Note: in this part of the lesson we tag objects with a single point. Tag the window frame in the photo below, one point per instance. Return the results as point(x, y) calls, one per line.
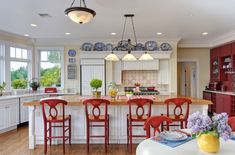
point(2, 61)
point(38, 61)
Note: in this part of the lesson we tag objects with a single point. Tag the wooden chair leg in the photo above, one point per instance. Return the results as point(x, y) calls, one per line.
point(45, 138)
point(70, 131)
point(87, 136)
point(50, 128)
point(127, 129)
point(105, 136)
point(63, 138)
point(108, 131)
point(130, 129)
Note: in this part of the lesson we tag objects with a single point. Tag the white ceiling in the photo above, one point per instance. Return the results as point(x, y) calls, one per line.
point(176, 19)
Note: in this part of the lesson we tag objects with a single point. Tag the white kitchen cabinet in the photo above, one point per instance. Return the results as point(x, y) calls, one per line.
point(9, 113)
point(163, 73)
point(117, 72)
point(141, 65)
point(91, 69)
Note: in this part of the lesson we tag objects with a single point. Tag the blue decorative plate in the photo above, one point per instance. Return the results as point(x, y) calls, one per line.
point(87, 47)
point(151, 45)
point(109, 47)
point(165, 47)
point(139, 47)
point(99, 46)
point(72, 53)
point(173, 136)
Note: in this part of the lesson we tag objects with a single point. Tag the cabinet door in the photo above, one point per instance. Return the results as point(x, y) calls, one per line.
point(12, 114)
point(117, 72)
point(163, 73)
point(225, 50)
point(132, 65)
point(223, 103)
point(150, 65)
point(2, 117)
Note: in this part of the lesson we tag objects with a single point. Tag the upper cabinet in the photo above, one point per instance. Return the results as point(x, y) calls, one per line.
point(163, 73)
point(140, 65)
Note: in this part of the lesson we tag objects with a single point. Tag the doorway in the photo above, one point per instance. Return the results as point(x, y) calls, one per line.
point(187, 78)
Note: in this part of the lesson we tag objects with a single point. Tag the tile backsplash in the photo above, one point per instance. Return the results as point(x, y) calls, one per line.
point(145, 78)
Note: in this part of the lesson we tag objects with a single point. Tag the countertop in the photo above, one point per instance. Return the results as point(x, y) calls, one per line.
point(31, 94)
point(77, 100)
point(221, 92)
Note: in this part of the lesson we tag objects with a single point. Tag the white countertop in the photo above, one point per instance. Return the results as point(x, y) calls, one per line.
point(32, 94)
point(221, 92)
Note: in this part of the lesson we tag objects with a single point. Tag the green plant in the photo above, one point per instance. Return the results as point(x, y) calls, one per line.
point(34, 84)
point(19, 84)
point(129, 92)
point(2, 86)
point(96, 84)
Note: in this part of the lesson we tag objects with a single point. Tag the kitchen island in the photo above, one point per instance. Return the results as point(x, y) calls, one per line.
point(118, 110)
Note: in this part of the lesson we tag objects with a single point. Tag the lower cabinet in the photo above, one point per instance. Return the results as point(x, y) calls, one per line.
point(221, 103)
point(9, 113)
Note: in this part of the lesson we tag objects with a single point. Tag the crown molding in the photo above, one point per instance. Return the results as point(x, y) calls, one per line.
point(224, 39)
point(193, 45)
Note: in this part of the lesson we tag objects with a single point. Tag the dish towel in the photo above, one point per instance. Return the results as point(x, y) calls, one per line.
point(170, 143)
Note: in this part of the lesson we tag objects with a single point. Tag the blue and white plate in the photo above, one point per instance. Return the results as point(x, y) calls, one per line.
point(99, 46)
point(151, 45)
point(72, 53)
point(173, 136)
point(139, 47)
point(165, 47)
point(109, 47)
point(87, 47)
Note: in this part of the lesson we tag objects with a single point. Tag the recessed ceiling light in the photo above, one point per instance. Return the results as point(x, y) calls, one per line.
point(113, 33)
point(67, 33)
point(159, 33)
point(26, 35)
point(204, 33)
point(191, 15)
point(33, 25)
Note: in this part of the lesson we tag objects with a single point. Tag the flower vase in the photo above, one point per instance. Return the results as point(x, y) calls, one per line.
point(208, 143)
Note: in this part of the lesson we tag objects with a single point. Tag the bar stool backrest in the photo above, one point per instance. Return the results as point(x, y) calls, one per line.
point(54, 105)
point(95, 105)
point(155, 122)
point(140, 104)
point(231, 122)
point(178, 110)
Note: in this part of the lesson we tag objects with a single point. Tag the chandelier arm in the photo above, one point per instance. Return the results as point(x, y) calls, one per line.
point(72, 3)
point(134, 30)
point(124, 28)
point(84, 3)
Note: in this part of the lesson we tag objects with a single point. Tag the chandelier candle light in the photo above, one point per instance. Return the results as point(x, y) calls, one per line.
point(80, 14)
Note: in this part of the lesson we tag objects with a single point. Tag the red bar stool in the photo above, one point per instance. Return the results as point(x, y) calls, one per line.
point(231, 122)
point(51, 118)
point(96, 119)
point(178, 115)
point(138, 116)
point(155, 122)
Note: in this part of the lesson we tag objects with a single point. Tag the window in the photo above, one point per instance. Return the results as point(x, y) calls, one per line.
point(20, 63)
point(51, 68)
point(2, 62)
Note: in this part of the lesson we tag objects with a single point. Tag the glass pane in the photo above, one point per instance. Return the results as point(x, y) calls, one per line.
point(24, 54)
point(50, 74)
point(54, 56)
point(18, 53)
point(12, 52)
point(19, 70)
point(43, 55)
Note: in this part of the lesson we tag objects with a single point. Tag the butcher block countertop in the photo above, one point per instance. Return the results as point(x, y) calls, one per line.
point(76, 100)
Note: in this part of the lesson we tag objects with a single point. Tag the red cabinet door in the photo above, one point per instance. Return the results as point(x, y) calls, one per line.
point(233, 48)
point(223, 103)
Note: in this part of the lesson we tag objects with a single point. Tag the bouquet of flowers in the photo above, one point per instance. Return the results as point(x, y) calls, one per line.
point(216, 126)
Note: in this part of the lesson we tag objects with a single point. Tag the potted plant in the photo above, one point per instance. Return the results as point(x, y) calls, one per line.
point(96, 84)
point(2, 88)
point(19, 85)
point(34, 84)
point(208, 130)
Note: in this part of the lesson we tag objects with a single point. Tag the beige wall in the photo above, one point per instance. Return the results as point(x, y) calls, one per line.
point(202, 55)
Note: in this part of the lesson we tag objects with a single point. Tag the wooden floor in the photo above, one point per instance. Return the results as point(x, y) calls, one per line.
point(16, 143)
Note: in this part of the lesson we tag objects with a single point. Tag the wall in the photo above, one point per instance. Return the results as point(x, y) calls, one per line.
point(202, 55)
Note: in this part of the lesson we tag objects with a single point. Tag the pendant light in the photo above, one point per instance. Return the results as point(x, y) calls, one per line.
point(80, 14)
point(146, 56)
point(111, 57)
point(129, 57)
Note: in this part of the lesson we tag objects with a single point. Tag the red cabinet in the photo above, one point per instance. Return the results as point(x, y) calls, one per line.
point(226, 50)
point(223, 103)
